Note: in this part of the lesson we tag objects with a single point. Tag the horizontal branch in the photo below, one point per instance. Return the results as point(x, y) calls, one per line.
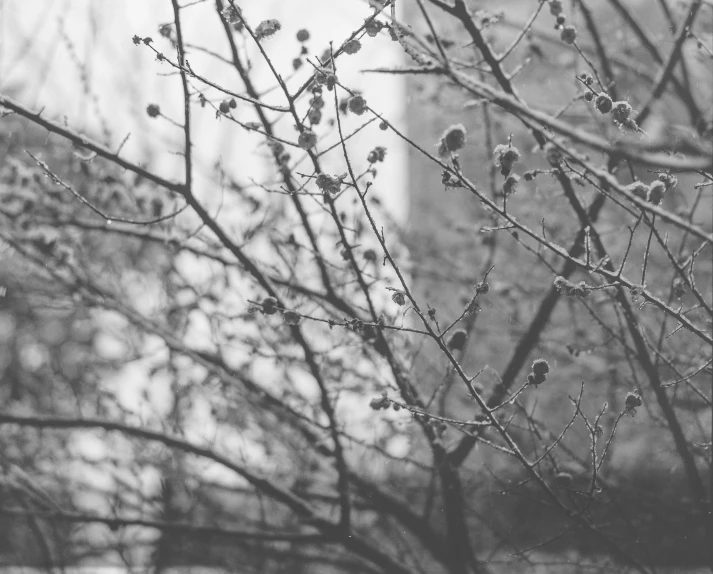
point(626, 149)
point(115, 522)
point(82, 141)
point(299, 506)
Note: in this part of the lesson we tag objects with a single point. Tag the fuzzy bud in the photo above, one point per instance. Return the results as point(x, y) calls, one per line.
point(307, 139)
point(505, 157)
point(482, 288)
point(511, 184)
point(267, 28)
point(540, 367)
point(638, 189)
point(352, 47)
point(291, 318)
point(632, 401)
point(656, 192)
point(328, 183)
point(603, 103)
point(376, 155)
point(568, 34)
point(269, 305)
point(452, 139)
point(457, 340)
point(357, 105)
point(621, 112)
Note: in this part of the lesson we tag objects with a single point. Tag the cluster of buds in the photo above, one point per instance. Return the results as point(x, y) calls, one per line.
point(380, 403)
point(383, 403)
point(325, 76)
point(227, 105)
point(654, 192)
point(570, 289)
point(372, 26)
point(587, 80)
point(377, 154)
point(329, 183)
point(270, 306)
point(568, 34)
point(302, 37)
point(620, 111)
point(316, 104)
point(538, 375)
